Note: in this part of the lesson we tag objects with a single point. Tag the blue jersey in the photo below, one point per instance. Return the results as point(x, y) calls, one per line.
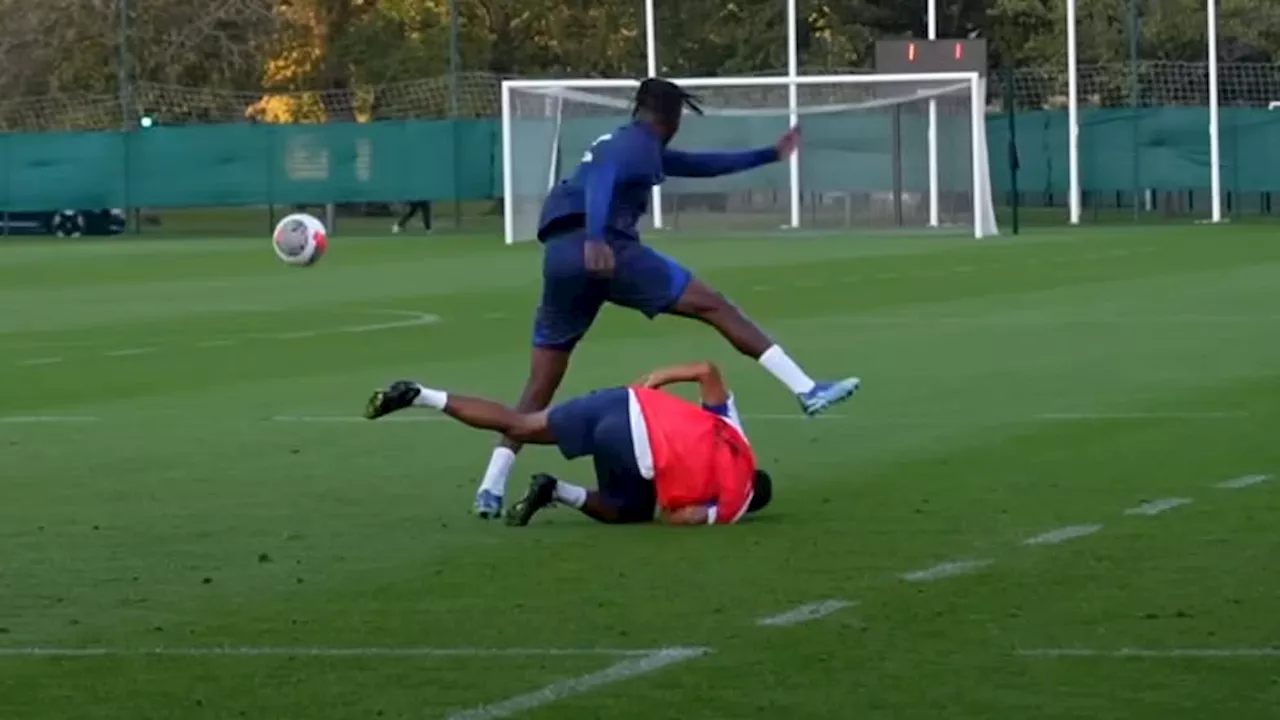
point(609, 192)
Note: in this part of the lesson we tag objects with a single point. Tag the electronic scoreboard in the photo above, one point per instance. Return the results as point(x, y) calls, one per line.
point(931, 56)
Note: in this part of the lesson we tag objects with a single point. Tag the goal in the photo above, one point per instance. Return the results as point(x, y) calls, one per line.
point(864, 162)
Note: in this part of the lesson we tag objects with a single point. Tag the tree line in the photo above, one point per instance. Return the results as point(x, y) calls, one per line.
point(94, 48)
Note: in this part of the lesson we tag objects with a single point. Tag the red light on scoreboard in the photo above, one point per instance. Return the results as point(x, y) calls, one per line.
point(911, 52)
point(959, 54)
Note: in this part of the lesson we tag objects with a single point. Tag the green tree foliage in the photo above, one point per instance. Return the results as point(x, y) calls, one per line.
point(338, 49)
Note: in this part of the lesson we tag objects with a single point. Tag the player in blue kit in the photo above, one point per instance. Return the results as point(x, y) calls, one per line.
point(592, 254)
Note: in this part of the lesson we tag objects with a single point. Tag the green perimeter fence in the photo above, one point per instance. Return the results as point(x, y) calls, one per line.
point(1160, 150)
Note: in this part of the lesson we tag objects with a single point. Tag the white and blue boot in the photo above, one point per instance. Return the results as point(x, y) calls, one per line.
point(826, 394)
point(488, 505)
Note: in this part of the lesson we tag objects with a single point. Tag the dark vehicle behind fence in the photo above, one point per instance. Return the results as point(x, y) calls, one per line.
point(64, 223)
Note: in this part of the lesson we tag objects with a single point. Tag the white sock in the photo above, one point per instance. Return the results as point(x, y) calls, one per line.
point(570, 494)
point(428, 398)
point(495, 476)
point(786, 370)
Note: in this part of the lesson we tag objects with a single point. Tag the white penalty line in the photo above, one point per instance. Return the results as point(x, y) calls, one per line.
point(1100, 416)
point(945, 570)
point(1243, 482)
point(1061, 535)
point(1152, 653)
point(46, 419)
point(1155, 507)
point(805, 613)
point(625, 670)
point(362, 652)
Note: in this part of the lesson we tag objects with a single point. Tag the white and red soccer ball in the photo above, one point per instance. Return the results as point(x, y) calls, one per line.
point(300, 239)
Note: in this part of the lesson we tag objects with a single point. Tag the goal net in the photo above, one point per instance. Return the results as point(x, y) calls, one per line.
point(864, 163)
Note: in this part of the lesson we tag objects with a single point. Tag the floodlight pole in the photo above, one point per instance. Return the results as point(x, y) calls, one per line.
point(932, 29)
point(793, 106)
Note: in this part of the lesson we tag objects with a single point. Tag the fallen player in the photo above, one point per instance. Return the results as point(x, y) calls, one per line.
point(592, 255)
point(652, 450)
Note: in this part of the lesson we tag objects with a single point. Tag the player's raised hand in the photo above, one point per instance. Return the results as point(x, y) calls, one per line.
point(788, 143)
point(598, 257)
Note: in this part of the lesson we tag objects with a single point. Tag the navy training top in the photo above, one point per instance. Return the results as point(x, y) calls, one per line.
point(609, 191)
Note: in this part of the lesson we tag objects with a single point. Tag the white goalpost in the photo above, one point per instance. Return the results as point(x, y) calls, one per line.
point(878, 151)
point(1073, 115)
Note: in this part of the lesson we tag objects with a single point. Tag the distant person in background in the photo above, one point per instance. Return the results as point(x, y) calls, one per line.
point(423, 206)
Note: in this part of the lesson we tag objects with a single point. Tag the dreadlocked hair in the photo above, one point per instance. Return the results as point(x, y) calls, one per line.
point(664, 99)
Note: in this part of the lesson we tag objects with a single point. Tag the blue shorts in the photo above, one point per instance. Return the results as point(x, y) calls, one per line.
point(599, 425)
point(643, 279)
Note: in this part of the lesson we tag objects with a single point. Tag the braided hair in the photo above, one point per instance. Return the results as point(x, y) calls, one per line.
point(665, 100)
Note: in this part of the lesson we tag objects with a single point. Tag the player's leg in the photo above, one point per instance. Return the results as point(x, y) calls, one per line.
point(599, 425)
point(476, 412)
point(569, 304)
point(654, 284)
point(404, 219)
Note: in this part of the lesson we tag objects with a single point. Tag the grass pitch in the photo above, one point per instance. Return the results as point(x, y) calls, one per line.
point(195, 524)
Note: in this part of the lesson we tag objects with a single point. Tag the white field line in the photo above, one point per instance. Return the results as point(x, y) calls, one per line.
point(1243, 482)
point(945, 570)
point(46, 419)
point(398, 418)
point(1142, 416)
point(411, 319)
point(444, 418)
point(1155, 507)
point(1063, 534)
point(365, 652)
point(625, 670)
point(41, 361)
point(793, 416)
point(128, 352)
point(804, 613)
point(1151, 653)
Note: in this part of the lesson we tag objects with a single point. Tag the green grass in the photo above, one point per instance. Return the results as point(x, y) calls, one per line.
point(168, 509)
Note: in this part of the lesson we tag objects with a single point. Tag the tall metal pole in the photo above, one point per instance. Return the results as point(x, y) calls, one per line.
point(1134, 101)
point(128, 116)
point(1215, 136)
point(124, 71)
point(454, 62)
point(651, 67)
point(793, 105)
point(1073, 116)
point(934, 215)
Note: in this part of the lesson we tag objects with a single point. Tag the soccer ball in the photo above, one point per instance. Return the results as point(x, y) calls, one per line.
point(300, 239)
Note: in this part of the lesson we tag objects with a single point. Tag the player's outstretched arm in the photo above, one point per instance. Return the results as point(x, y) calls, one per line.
point(711, 388)
point(713, 164)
